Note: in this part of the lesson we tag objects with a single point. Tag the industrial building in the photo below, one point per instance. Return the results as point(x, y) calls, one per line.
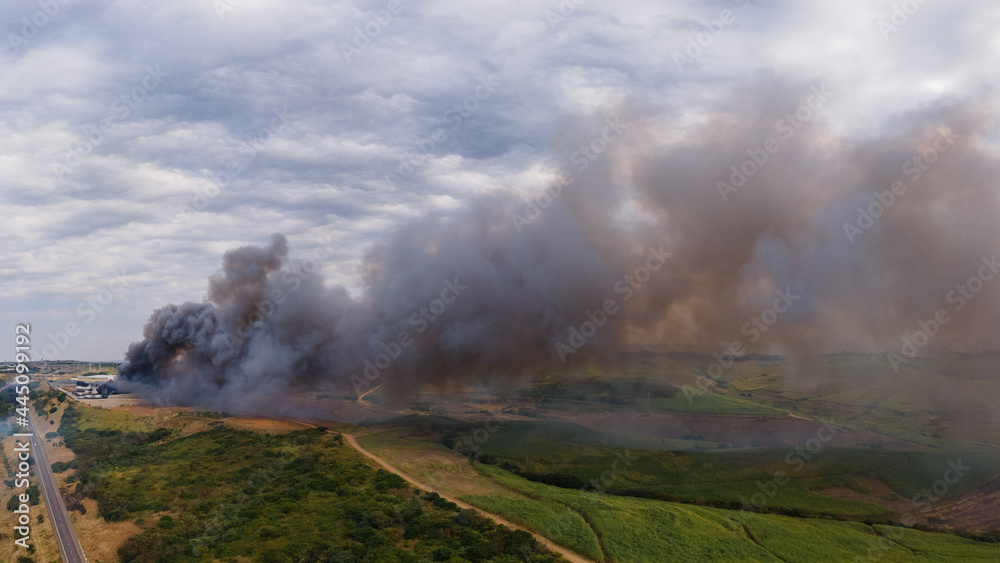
point(93, 386)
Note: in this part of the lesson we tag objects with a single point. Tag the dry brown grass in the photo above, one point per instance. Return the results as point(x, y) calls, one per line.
point(879, 493)
point(151, 411)
point(100, 538)
point(42, 536)
point(268, 425)
point(977, 510)
point(438, 467)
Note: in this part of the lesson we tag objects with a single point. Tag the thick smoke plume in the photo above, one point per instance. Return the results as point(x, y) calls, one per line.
point(504, 287)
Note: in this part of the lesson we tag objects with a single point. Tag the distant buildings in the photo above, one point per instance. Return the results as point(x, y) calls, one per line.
point(94, 386)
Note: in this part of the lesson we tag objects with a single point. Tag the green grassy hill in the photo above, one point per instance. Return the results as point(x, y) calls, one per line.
point(639, 530)
point(592, 520)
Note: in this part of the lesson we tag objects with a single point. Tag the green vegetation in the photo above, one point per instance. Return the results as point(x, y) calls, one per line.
point(33, 493)
point(596, 389)
point(574, 457)
point(939, 547)
point(300, 496)
point(60, 466)
point(551, 519)
point(214, 415)
point(111, 420)
point(640, 530)
point(653, 395)
point(709, 402)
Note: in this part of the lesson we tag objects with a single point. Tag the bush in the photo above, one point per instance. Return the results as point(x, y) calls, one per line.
point(60, 466)
point(465, 517)
point(34, 495)
point(385, 481)
point(166, 522)
point(442, 554)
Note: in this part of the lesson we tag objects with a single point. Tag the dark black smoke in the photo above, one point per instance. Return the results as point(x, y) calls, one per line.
point(527, 284)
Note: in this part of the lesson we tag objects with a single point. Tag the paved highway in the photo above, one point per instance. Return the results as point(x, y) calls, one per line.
point(62, 524)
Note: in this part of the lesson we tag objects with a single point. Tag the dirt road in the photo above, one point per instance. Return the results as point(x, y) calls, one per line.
point(570, 555)
point(361, 398)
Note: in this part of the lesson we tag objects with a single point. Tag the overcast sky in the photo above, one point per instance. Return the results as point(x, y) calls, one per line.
point(141, 140)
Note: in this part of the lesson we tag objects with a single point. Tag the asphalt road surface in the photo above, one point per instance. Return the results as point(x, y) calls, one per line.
point(62, 524)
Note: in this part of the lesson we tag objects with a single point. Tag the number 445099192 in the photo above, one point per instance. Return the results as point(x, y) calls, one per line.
point(22, 344)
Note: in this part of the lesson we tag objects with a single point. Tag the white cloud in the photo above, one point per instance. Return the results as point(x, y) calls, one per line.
point(352, 122)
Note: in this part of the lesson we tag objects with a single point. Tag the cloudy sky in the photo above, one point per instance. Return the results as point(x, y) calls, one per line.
point(139, 141)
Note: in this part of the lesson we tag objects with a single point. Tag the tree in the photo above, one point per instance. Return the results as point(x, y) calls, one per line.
point(33, 495)
point(166, 522)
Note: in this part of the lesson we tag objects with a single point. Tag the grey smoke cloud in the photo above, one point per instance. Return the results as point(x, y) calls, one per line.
point(528, 287)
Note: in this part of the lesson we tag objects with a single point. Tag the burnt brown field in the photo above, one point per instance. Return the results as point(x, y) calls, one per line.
point(977, 510)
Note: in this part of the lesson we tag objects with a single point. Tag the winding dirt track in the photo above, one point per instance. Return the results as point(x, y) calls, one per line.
point(551, 546)
point(361, 398)
point(570, 555)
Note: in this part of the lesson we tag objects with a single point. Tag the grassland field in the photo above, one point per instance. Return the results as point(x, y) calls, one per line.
point(637, 529)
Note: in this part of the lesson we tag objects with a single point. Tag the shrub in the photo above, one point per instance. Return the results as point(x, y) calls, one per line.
point(166, 522)
point(60, 466)
point(385, 481)
point(34, 494)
